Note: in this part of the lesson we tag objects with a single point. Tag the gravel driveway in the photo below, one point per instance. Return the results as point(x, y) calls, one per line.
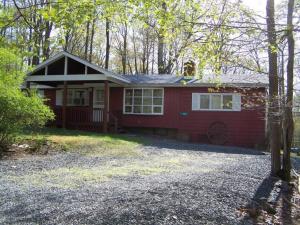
point(169, 183)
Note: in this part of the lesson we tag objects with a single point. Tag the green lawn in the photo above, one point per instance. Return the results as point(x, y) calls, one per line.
point(86, 143)
point(119, 155)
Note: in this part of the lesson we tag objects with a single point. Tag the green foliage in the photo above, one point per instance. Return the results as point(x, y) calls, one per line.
point(18, 109)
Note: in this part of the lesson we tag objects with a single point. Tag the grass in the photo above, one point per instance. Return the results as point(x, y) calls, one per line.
point(74, 176)
point(88, 143)
point(123, 157)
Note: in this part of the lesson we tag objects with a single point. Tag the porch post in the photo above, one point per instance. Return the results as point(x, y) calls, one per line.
point(27, 87)
point(105, 110)
point(27, 84)
point(64, 105)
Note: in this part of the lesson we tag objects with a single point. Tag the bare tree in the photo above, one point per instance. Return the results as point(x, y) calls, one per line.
point(288, 124)
point(107, 49)
point(273, 109)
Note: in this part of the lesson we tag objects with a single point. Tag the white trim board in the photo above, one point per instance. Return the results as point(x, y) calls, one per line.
point(90, 77)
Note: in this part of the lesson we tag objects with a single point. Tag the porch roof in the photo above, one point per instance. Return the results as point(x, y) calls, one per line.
point(91, 72)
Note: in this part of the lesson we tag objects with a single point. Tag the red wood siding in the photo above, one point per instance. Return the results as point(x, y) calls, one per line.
point(246, 128)
point(78, 117)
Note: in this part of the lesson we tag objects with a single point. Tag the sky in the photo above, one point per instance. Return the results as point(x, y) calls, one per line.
point(258, 5)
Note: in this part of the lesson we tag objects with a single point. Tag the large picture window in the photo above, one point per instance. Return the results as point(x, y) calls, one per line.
point(216, 101)
point(143, 101)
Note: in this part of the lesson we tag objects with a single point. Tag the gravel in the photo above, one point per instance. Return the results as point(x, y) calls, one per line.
point(207, 187)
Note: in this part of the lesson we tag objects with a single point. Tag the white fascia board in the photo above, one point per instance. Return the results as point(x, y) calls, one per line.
point(82, 77)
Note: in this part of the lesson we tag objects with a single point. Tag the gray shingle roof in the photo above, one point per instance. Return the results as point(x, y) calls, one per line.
point(227, 79)
point(153, 79)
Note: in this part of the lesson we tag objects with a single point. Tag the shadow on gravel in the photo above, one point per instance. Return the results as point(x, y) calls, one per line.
point(157, 142)
point(271, 195)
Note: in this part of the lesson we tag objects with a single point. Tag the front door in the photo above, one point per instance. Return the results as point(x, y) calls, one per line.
point(98, 104)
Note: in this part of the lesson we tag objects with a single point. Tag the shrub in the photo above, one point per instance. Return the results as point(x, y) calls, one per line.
point(18, 109)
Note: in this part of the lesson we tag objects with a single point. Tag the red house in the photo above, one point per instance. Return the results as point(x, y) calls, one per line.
point(229, 111)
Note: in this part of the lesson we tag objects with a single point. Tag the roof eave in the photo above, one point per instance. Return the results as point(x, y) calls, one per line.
point(240, 85)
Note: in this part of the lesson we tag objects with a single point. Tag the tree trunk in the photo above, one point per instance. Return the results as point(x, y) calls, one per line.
point(273, 110)
point(135, 53)
point(160, 55)
point(288, 124)
point(107, 50)
point(124, 52)
point(92, 40)
point(86, 46)
point(161, 46)
point(46, 47)
point(66, 44)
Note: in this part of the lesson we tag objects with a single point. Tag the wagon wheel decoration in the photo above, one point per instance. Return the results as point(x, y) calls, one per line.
point(217, 133)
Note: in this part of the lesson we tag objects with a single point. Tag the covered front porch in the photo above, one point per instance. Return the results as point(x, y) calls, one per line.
point(82, 107)
point(77, 91)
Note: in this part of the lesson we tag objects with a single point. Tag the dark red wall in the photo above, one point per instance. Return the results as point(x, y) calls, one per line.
point(246, 128)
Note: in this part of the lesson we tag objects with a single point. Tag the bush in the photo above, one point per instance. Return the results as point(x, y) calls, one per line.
point(18, 109)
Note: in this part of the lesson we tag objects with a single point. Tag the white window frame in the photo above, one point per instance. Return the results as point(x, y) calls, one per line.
point(198, 95)
point(132, 113)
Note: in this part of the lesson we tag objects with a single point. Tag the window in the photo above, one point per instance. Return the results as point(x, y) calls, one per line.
point(77, 97)
point(98, 97)
point(204, 101)
point(216, 101)
point(143, 101)
point(227, 102)
point(41, 93)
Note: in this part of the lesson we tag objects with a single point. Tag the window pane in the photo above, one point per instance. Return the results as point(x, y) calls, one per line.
point(157, 101)
point(157, 109)
point(128, 101)
point(147, 109)
point(137, 101)
point(128, 92)
point(216, 101)
point(99, 95)
point(204, 101)
point(147, 92)
point(128, 109)
point(147, 101)
point(157, 92)
point(137, 109)
point(137, 92)
point(227, 102)
point(99, 98)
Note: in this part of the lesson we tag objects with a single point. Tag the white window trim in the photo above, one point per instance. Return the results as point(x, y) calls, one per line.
point(151, 114)
point(210, 102)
